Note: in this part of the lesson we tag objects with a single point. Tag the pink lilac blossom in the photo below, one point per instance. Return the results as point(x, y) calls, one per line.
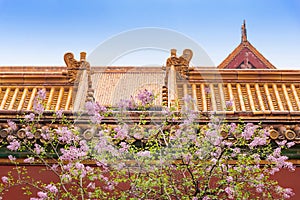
point(290, 144)
point(236, 151)
point(14, 145)
point(41, 94)
point(146, 97)
point(11, 158)
point(89, 169)
point(144, 154)
point(104, 145)
point(96, 118)
point(30, 117)
point(138, 135)
point(79, 166)
point(229, 104)
point(84, 147)
point(229, 191)
point(288, 193)
point(38, 107)
point(256, 157)
point(274, 170)
point(4, 179)
point(127, 104)
point(258, 141)
point(59, 113)
point(93, 108)
point(265, 132)
point(52, 188)
point(42, 195)
point(277, 152)
point(54, 167)
point(214, 137)
point(232, 128)
point(12, 125)
point(282, 143)
point(100, 108)
point(103, 164)
point(249, 131)
point(29, 135)
point(124, 147)
point(45, 136)
point(213, 161)
point(186, 157)
point(217, 152)
point(66, 135)
point(207, 90)
point(67, 167)
point(229, 179)
point(72, 153)
point(120, 166)
point(122, 132)
point(226, 143)
point(91, 185)
point(259, 189)
point(260, 177)
point(279, 161)
point(188, 99)
point(89, 106)
point(10, 138)
point(66, 178)
point(38, 149)
point(110, 186)
point(29, 160)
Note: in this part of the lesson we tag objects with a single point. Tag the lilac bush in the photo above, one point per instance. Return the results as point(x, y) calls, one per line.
point(175, 159)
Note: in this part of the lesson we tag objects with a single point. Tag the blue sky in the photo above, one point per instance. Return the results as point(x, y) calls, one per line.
point(39, 32)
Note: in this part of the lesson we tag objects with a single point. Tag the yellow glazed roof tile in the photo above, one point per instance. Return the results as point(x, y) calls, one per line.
point(21, 98)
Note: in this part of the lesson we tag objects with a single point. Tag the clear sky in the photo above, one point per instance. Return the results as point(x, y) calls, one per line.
point(39, 32)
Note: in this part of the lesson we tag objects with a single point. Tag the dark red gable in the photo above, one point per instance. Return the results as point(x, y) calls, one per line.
point(245, 56)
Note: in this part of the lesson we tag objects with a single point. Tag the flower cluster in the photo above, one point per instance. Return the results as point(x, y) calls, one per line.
point(175, 159)
point(229, 104)
point(38, 106)
point(146, 97)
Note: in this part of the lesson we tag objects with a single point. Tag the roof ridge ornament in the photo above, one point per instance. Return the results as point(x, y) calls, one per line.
point(244, 32)
point(73, 65)
point(181, 63)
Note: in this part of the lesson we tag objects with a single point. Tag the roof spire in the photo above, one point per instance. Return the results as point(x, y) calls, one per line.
point(244, 32)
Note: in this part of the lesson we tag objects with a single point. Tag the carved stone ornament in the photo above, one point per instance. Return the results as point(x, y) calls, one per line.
point(183, 60)
point(181, 63)
point(72, 66)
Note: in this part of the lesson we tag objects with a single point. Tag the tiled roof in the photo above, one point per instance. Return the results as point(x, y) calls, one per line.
point(112, 84)
point(21, 98)
point(16, 75)
point(19, 86)
point(256, 92)
point(257, 98)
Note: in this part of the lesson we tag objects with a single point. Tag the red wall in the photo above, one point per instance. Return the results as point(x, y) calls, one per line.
point(285, 178)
